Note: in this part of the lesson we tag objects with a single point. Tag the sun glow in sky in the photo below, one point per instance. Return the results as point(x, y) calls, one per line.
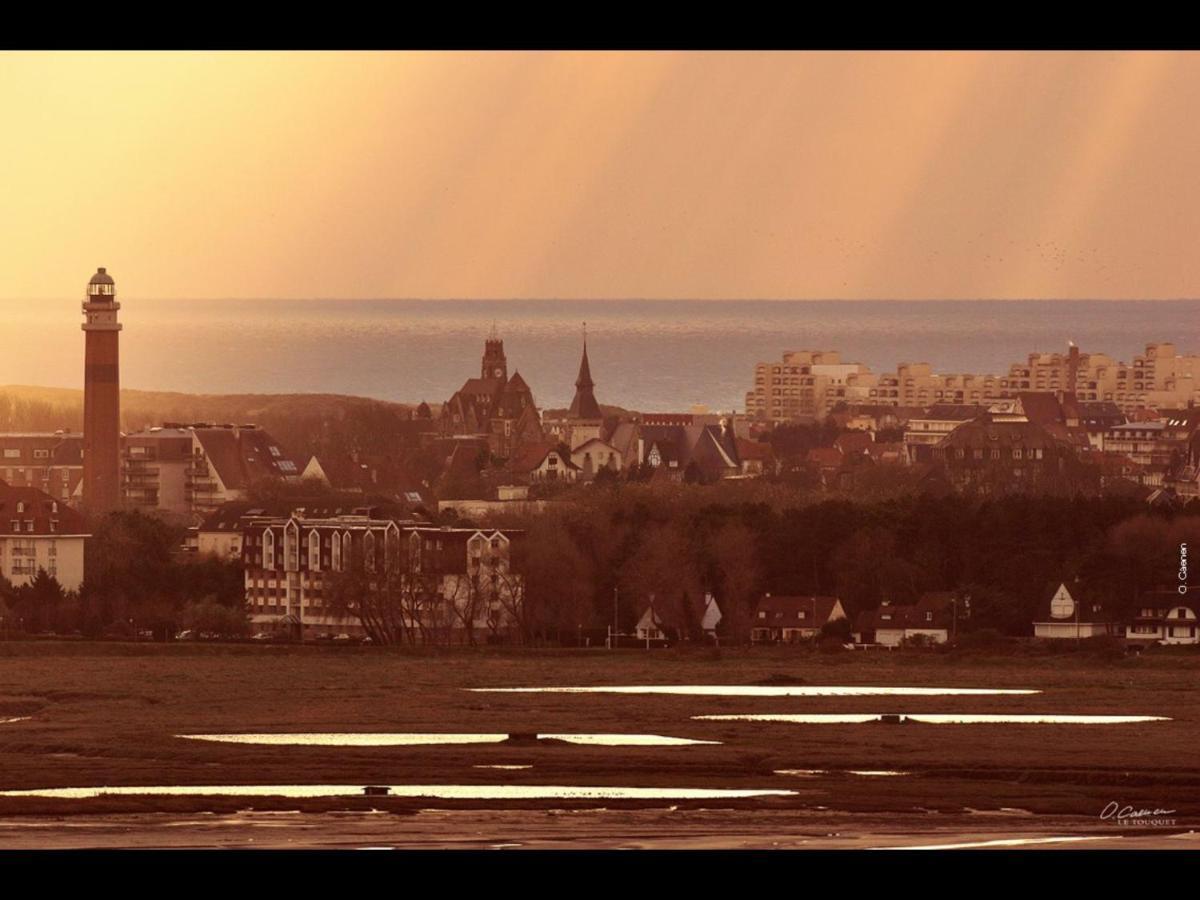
point(597, 175)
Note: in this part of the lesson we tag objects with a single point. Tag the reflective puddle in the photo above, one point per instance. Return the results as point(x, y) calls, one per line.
point(437, 791)
point(936, 718)
point(502, 767)
point(814, 773)
point(728, 690)
point(1004, 842)
point(334, 739)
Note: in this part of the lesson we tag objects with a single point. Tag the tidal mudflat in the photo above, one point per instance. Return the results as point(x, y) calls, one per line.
point(935, 718)
point(109, 715)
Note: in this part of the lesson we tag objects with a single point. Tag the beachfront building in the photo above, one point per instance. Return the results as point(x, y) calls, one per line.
point(39, 532)
point(806, 385)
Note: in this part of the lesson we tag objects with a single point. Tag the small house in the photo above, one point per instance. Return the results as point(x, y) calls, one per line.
point(1068, 615)
point(786, 619)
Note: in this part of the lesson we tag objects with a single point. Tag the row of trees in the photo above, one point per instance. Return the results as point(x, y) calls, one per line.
point(627, 542)
point(678, 544)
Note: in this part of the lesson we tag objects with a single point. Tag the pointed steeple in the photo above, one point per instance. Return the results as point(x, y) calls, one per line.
point(584, 406)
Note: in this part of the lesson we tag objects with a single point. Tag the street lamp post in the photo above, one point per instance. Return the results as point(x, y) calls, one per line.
point(613, 642)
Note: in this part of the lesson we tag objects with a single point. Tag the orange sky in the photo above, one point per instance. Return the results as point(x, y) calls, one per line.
point(589, 175)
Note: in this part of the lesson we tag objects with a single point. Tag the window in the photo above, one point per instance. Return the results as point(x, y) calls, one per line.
point(20, 506)
point(268, 549)
point(314, 550)
point(41, 454)
point(12, 453)
point(369, 551)
point(29, 525)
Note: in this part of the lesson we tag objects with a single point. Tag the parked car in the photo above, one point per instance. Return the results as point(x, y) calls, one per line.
point(262, 636)
point(341, 638)
point(186, 635)
point(367, 640)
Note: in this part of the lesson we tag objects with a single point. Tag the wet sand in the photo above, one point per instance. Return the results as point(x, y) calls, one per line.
point(659, 829)
point(104, 715)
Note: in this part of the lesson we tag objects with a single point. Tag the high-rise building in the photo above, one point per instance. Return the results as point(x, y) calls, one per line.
point(101, 396)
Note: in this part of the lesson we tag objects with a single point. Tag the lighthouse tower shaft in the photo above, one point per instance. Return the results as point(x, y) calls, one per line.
point(101, 397)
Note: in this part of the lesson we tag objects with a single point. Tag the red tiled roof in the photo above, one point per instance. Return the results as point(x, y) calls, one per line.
point(39, 508)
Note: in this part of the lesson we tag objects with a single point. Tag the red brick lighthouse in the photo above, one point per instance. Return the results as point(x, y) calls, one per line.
point(101, 397)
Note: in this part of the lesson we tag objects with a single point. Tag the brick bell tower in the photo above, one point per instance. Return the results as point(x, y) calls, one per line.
point(101, 397)
point(495, 365)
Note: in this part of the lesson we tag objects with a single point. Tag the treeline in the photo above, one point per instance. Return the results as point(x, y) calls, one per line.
point(304, 424)
point(677, 543)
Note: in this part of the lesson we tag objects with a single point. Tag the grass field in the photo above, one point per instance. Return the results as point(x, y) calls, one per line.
point(107, 714)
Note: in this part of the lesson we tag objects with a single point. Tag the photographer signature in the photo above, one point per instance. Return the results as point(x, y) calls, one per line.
point(1114, 810)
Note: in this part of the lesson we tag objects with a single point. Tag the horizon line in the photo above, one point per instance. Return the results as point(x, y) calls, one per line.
point(331, 299)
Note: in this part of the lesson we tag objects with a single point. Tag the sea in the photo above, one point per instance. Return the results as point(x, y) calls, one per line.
point(660, 355)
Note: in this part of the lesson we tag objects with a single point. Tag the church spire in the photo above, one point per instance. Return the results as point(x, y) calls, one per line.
point(584, 406)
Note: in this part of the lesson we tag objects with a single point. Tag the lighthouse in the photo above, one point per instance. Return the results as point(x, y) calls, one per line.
point(101, 396)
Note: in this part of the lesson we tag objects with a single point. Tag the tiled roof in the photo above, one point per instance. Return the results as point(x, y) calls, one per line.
point(242, 456)
point(786, 610)
point(1085, 606)
point(983, 434)
point(37, 507)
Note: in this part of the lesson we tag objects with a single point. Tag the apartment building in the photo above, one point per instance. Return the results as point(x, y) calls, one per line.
point(49, 461)
point(806, 384)
point(449, 581)
point(155, 464)
point(39, 532)
point(227, 460)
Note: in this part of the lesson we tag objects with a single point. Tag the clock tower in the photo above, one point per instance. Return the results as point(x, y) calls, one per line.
point(495, 365)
